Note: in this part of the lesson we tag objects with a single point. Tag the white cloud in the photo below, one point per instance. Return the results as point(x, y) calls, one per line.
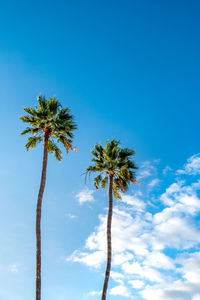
point(144, 173)
point(182, 198)
point(172, 291)
point(94, 259)
point(196, 297)
point(159, 260)
point(120, 258)
point(92, 293)
point(147, 169)
point(170, 194)
point(134, 200)
point(120, 290)
point(192, 167)
point(86, 195)
point(190, 267)
point(117, 277)
point(144, 272)
point(177, 233)
point(13, 268)
point(141, 259)
point(125, 229)
point(136, 284)
point(71, 216)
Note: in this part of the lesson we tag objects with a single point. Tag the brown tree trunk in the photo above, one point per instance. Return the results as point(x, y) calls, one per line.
point(109, 247)
point(38, 217)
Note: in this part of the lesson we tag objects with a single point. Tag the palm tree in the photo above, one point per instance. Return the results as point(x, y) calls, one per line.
point(49, 123)
point(114, 165)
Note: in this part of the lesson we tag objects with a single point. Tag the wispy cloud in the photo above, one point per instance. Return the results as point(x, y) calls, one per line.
point(147, 169)
point(86, 195)
point(13, 268)
point(192, 167)
point(71, 216)
point(166, 170)
point(92, 293)
point(153, 183)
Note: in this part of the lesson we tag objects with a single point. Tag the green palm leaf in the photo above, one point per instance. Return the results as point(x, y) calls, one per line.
point(32, 142)
point(112, 159)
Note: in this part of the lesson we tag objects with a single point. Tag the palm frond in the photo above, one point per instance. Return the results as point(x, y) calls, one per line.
point(28, 119)
point(104, 182)
point(91, 169)
point(32, 130)
point(27, 130)
point(97, 180)
point(52, 106)
point(30, 111)
point(42, 103)
point(116, 192)
point(52, 148)
point(32, 142)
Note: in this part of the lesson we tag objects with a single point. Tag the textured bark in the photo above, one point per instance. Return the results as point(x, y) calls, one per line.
point(38, 217)
point(109, 246)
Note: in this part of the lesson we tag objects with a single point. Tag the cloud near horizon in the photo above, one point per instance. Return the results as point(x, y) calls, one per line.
point(155, 250)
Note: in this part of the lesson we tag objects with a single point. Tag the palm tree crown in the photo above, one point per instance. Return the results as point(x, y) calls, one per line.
point(112, 160)
point(50, 120)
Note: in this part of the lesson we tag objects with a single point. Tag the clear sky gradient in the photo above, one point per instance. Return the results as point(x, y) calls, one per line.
point(127, 69)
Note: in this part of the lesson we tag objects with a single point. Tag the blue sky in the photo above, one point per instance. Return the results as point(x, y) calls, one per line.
point(127, 69)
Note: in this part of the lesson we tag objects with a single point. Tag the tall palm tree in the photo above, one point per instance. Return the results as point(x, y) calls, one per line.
point(49, 123)
point(115, 166)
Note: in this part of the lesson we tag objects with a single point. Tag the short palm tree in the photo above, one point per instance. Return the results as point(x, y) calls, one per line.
point(49, 123)
point(116, 167)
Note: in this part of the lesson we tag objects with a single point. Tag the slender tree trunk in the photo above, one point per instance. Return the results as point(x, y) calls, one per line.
point(109, 247)
point(38, 217)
